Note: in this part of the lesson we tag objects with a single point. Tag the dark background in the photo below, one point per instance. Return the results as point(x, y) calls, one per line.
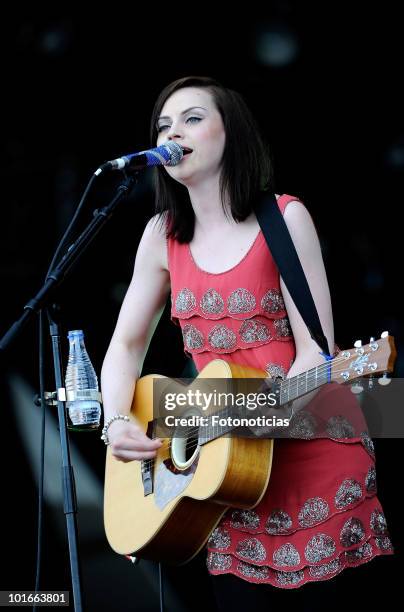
point(324, 82)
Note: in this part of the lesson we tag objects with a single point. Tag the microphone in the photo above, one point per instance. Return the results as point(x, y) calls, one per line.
point(168, 154)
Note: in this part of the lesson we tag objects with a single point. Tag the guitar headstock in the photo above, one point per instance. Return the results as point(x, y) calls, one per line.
point(377, 357)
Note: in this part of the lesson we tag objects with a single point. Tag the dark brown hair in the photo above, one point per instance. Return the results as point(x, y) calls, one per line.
point(246, 164)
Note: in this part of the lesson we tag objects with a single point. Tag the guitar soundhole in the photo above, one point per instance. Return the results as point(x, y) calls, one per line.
point(191, 446)
point(184, 451)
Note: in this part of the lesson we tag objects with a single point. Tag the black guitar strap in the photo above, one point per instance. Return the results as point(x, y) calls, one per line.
point(283, 251)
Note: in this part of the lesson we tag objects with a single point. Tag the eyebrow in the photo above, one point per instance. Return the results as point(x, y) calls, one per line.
point(183, 112)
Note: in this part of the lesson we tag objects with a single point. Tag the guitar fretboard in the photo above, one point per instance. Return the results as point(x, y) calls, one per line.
point(285, 390)
point(299, 385)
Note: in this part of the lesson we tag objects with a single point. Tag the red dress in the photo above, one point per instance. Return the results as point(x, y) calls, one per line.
point(320, 513)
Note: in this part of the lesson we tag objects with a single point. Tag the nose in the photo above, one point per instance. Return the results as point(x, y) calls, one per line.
point(174, 132)
point(174, 136)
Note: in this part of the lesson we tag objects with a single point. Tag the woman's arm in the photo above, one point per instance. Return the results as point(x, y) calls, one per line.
point(304, 235)
point(140, 312)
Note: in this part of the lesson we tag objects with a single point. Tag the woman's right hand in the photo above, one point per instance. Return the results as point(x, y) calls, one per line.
point(128, 442)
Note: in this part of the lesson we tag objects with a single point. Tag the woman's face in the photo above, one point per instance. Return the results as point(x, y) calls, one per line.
point(190, 117)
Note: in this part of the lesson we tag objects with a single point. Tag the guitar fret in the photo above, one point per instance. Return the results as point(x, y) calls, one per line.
point(303, 383)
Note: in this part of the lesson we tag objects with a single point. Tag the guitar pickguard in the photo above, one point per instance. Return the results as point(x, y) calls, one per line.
point(170, 482)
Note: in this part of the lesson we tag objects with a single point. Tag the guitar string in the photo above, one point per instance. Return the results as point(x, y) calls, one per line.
point(314, 372)
point(294, 387)
point(195, 429)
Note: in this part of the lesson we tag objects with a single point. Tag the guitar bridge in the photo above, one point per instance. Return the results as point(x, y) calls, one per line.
point(147, 476)
point(147, 465)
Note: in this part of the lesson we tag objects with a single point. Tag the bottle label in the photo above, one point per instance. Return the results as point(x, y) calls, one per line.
point(83, 394)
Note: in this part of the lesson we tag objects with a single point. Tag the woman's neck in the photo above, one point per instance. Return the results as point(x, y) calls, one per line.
point(207, 205)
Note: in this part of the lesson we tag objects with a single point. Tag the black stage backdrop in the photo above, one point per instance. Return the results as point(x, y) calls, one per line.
point(323, 81)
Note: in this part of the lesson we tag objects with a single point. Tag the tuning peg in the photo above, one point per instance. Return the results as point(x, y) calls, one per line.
point(370, 382)
point(384, 380)
point(384, 334)
point(371, 339)
point(358, 347)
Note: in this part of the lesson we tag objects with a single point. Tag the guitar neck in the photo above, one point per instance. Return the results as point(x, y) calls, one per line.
point(297, 386)
point(373, 358)
point(359, 361)
point(285, 390)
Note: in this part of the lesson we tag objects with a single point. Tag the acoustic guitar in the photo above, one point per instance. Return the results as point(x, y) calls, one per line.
point(166, 508)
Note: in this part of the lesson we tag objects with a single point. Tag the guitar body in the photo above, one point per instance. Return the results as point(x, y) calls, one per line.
point(173, 523)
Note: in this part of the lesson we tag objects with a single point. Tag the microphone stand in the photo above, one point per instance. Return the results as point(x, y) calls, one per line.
point(55, 278)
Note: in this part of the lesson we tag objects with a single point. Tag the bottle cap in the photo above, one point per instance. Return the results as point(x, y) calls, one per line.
point(75, 333)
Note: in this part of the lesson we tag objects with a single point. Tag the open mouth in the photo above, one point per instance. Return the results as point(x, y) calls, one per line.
point(186, 150)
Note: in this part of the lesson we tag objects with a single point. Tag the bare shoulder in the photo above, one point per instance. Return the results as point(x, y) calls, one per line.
point(295, 207)
point(297, 216)
point(154, 240)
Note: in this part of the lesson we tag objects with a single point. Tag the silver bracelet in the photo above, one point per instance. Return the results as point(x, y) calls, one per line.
point(116, 417)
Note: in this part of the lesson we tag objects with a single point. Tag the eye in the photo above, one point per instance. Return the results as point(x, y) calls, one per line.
point(160, 128)
point(192, 119)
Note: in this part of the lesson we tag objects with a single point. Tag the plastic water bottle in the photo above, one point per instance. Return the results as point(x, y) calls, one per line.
point(83, 398)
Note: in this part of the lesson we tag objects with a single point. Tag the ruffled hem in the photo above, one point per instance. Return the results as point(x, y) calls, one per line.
point(327, 540)
point(258, 312)
point(290, 558)
point(220, 563)
point(308, 518)
point(234, 335)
